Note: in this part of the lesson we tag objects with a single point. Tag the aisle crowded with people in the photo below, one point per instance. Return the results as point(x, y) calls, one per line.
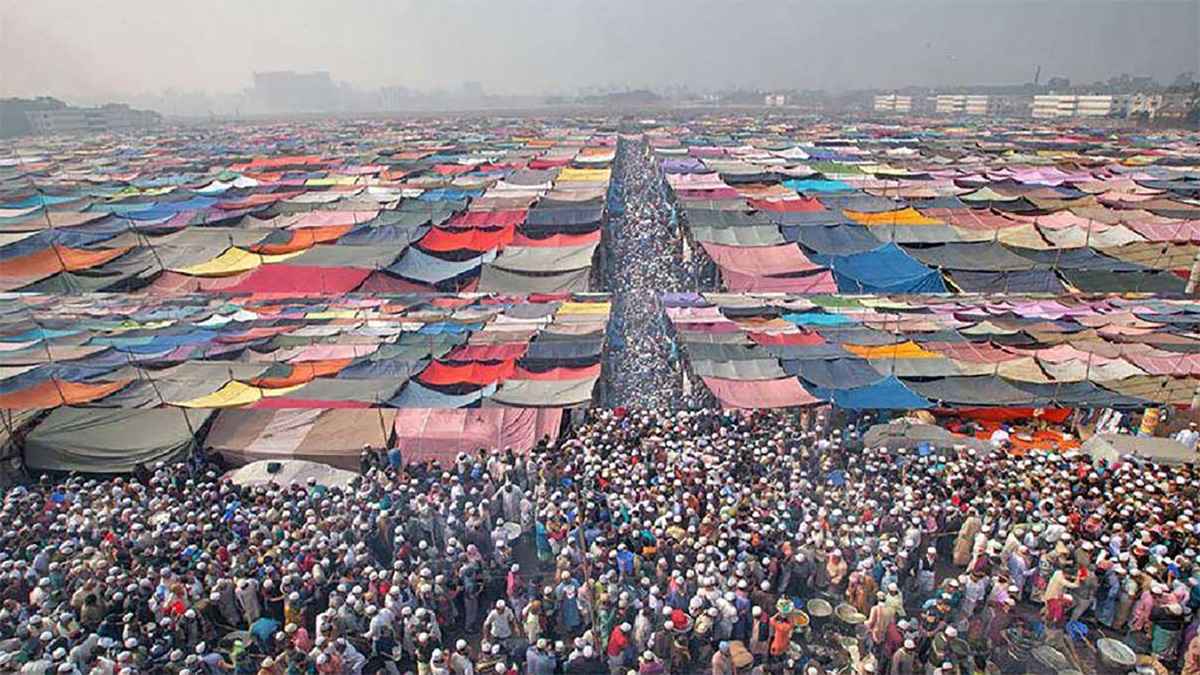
point(644, 260)
point(649, 542)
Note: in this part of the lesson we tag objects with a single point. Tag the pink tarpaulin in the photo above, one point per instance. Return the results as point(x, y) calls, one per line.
point(440, 434)
point(328, 218)
point(1181, 231)
point(695, 181)
point(760, 260)
point(282, 278)
point(782, 393)
point(817, 282)
point(713, 194)
point(1166, 363)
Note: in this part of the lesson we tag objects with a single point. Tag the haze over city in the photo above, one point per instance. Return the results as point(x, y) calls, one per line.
point(95, 52)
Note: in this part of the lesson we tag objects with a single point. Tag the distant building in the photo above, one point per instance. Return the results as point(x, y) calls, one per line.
point(893, 103)
point(1139, 105)
point(960, 104)
point(1046, 106)
point(289, 91)
point(14, 113)
point(1094, 106)
point(775, 100)
point(110, 118)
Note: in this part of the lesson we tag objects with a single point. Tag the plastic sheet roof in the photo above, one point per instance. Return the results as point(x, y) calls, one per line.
point(916, 351)
point(992, 207)
point(186, 212)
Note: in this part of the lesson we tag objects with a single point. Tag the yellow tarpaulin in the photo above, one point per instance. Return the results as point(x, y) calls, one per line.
point(234, 394)
point(904, 350)
point(906, 216)
point(233, 260)
point(584, 308)
point(570, 174)
point(330, 181)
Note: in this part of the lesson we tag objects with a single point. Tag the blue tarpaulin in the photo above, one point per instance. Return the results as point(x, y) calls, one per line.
point(887, 269)
point(887, 394)
point(817, 185)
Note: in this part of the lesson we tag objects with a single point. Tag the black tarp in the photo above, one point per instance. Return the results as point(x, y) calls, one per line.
point(1099, 281)
point(979, 257)
point(833, 373)
point(832, 239)
point(713, 218)
point(1028, 281)
point(973, 390)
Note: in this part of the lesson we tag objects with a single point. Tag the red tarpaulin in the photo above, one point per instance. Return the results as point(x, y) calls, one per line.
point(782, 393)
point(543, 163)
point(282, 278)
point(439, 240)
point(488, 219)
point(442, 373)
point(557, 240)
point(261, 199)
point(440, 434)
point(505, 351)
point(558, 373)
point(999, 415)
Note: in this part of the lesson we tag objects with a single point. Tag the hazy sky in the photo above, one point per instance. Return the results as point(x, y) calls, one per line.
point(81, 48)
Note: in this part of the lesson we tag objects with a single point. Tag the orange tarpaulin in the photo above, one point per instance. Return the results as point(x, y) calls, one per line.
point(467, 373)
point(906, 216)
point(26, 269)
point(303, 239)
point(53, 393)
point(801, 205)
point(904, 350)
point(303, 372)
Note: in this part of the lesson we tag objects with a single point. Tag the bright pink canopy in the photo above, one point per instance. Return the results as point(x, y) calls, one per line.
point(440, 434)
point(781, 393)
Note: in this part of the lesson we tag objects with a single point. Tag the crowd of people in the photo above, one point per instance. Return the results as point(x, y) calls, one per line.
point(645, 259)
point(647, 542)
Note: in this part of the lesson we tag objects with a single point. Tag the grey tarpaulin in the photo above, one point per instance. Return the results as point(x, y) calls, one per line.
point(833, 373)
point(755, 369)
point(751, 235)
point(1111, 447)
point(493, 279)
point(336, 255)
point(103, 440)
point(545, 259)
point(904, 433)
point(545, 393)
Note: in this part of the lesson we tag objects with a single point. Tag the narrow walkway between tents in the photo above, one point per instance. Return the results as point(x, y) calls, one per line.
point(645, 260)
